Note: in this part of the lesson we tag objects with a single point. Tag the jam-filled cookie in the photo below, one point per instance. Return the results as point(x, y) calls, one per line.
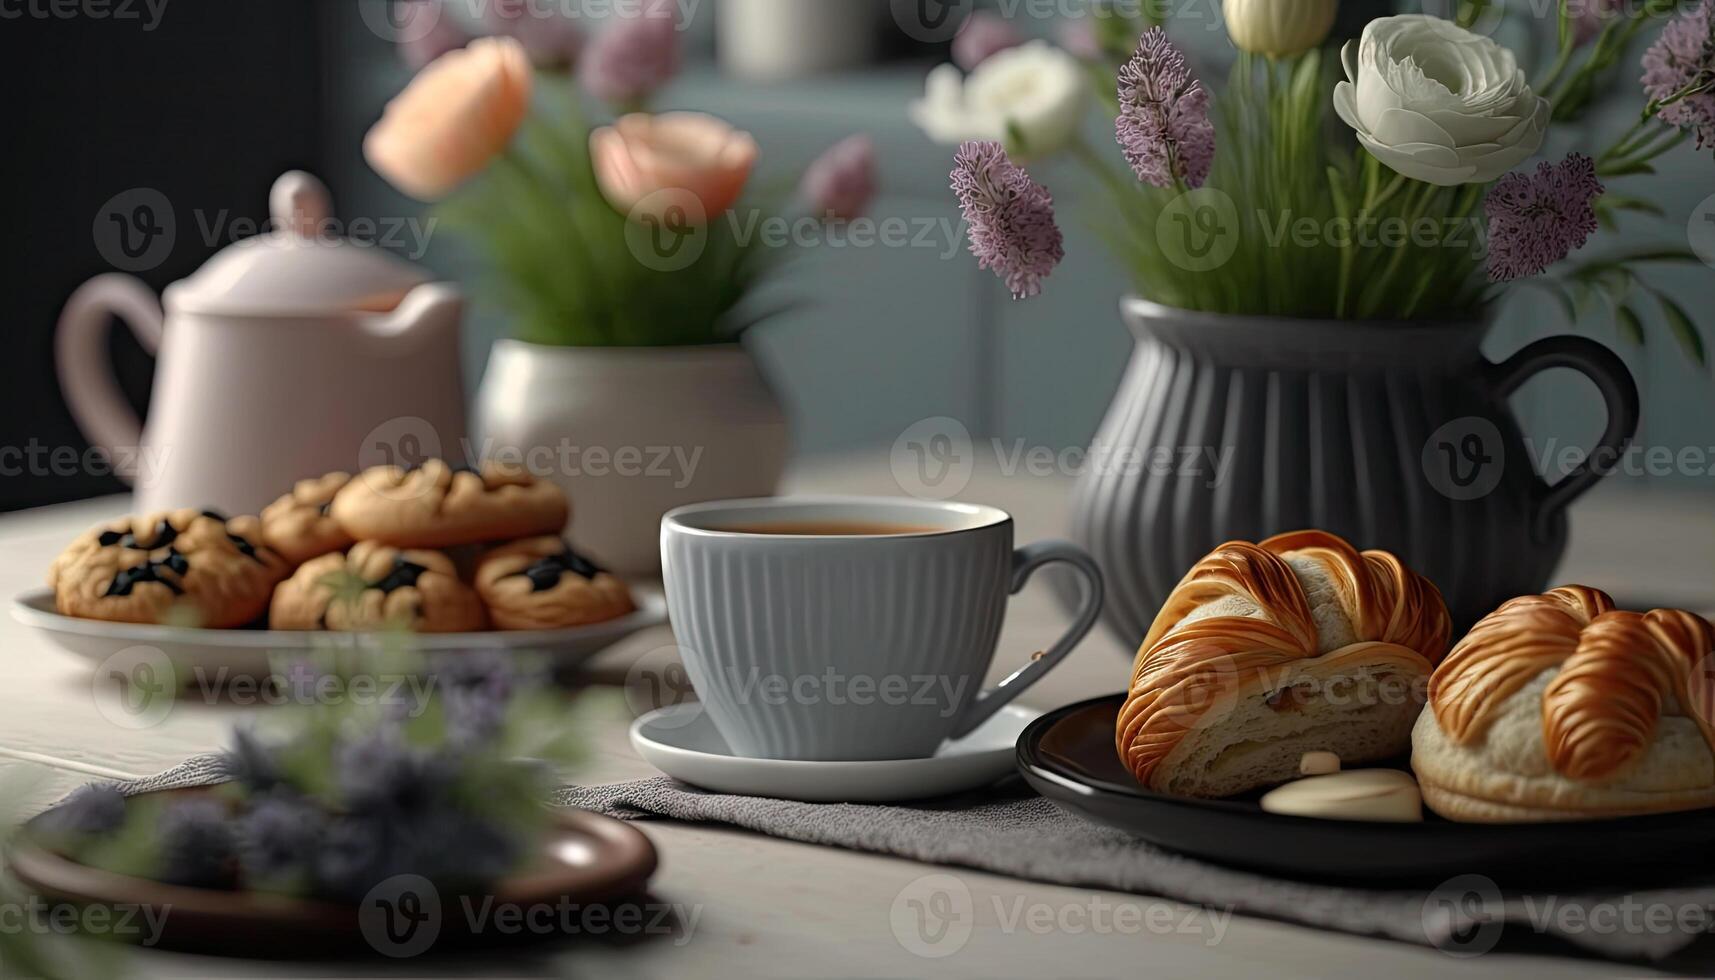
point(377, 587)
point(183, 567)
point(437, 505)
point(540, 583)
point(299, 526)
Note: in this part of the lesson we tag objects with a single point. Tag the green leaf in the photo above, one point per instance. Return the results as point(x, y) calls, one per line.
point(1616, 202)
point(1617, 283)
point(1684, 330)
point(1306, 78)
point(1625, 170)
point(1631, 326)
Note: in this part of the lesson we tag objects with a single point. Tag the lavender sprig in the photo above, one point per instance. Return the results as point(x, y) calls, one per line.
point(1163, 124)
point(1010, 217)
point(1679, 73)
point(1535, 220)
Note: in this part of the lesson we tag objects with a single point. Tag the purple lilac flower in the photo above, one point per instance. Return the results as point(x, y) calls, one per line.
point(1589, 17)
point(1164, 125)
point(1684, 55)
point(476, 692)
point(278, 840)
point(358, 852)
point(250, 762)
point(631, 59)
point(89, 811)
point(841, 181)
point(1535, 220)
point(551, 40)
point(379, 772)
point(419, 45)
point(1078, 36)
point(198, 847)
point(1011, 217)
point(982, 36)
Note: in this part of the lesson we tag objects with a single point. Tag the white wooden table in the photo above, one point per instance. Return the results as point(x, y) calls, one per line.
point(771, 908)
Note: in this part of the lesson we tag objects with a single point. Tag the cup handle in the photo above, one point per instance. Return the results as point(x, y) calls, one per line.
point(1619, 392)
point(85, 372)
point(1025, 562)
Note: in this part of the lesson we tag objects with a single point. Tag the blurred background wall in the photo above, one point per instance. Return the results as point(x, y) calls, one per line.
point(208, 101)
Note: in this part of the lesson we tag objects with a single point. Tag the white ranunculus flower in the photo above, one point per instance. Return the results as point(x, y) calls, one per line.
point(1036, 89)
point(1438, 103)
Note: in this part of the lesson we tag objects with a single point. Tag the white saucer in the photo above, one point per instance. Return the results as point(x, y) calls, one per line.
point(682, 742)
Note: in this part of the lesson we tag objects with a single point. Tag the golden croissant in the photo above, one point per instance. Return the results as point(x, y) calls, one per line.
point(1561, 707)
point(1266, 651)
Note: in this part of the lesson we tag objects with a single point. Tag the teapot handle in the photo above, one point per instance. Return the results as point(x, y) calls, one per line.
point(1619, 392)
point(86, 373)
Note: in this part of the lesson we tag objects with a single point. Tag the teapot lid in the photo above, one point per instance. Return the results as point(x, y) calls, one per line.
point(298, 267)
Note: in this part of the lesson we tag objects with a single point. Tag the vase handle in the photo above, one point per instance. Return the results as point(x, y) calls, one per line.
point(1619, 392)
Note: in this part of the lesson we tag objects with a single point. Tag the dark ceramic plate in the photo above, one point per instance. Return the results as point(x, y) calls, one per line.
point(585, 860)
point(1068, 756)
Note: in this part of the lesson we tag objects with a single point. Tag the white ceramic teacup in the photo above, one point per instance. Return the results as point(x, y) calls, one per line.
point(841, 645)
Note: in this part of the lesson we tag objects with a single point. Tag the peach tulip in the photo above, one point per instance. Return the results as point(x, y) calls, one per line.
point(687, 154)
point(458, 114)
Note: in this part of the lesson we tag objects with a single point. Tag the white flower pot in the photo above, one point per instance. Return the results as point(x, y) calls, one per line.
point(775, 40)
point(632, 432)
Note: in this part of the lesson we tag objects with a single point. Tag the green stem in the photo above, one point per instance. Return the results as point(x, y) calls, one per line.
point(1348, 254)
point(1622, 146)
point(1388, 192)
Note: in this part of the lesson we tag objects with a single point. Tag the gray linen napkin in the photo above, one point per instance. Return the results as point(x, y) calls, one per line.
point(1010, 831)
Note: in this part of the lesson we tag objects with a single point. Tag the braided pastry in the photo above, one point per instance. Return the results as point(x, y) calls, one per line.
point(1267, 651)
point(1561, 707)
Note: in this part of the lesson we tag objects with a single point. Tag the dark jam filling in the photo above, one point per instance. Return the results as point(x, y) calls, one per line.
point(546, 573)
point(404, 575)
point(150, 571)
point(244, 547)
point(165, 535)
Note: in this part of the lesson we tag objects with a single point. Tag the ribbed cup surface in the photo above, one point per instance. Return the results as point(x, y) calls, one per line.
point(837, 648)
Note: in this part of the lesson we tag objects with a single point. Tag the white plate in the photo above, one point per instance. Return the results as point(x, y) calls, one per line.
point(682, 742)
point(259, 653)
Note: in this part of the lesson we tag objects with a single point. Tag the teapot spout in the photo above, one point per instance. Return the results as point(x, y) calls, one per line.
point(425, 310)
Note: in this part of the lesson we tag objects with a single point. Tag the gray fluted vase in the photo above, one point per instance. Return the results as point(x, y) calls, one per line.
point(1393, 435)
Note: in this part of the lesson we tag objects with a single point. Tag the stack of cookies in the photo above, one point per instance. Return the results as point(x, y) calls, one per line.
point(432, 548)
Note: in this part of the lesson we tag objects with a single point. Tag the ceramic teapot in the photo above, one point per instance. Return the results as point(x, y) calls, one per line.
point(287, 355)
